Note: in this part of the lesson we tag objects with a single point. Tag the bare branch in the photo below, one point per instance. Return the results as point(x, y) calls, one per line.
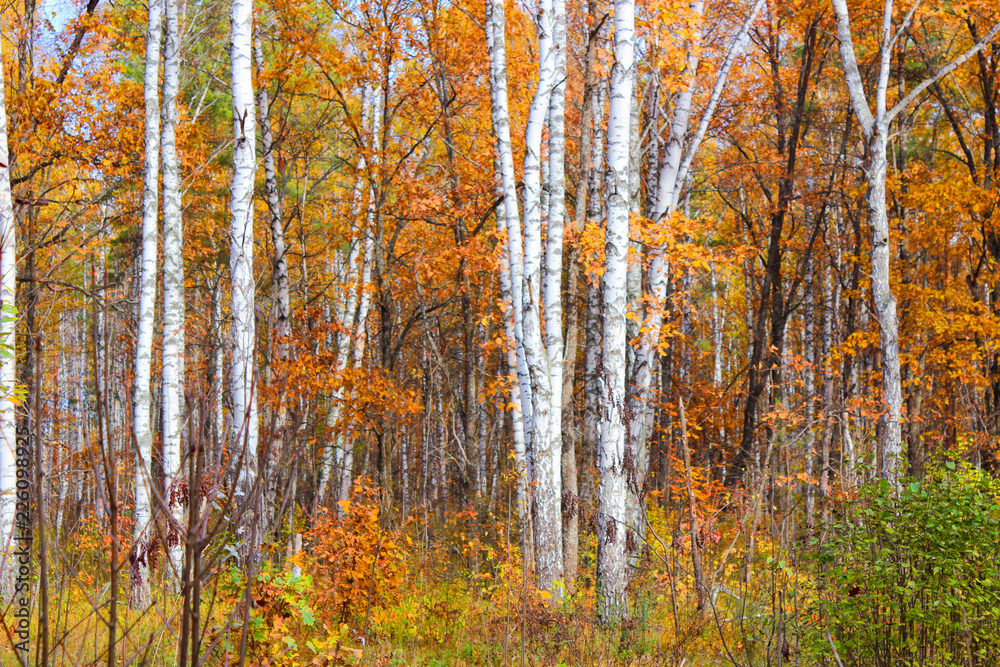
point(941, 73)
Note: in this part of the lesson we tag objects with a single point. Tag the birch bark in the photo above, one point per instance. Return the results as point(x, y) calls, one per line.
point(809, 342)
point(543, 438)
point(352, 312)
point(281, 312)
point(244, 430)
point(594, 339)
point(360, 317)
point(218, 368)
point(679, 154)
point(875, 127)
point(537, 430)
point(512, 260)
point(139, 596)
point(548, 452)
point(570, 477)
point(612, 575)
point(338, 457)
point(173, 295)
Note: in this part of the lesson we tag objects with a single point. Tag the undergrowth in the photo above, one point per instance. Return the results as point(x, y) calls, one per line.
point(907, 576)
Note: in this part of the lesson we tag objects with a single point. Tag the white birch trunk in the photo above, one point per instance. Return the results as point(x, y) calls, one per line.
point(282, 307)
point(337, 461)
point(548, 455)
point(365, 301)
point(809, 342)
point(173, 297)
point(244, 430)
point(875, 128)
point(8, 427)
point(508, 219)
point(673, 172)
point(64, 370)
point(218, 366)
point(594, 339)
point(338, 457)
point(890, 451)
point(612, 573)
point(139, 595)
point(718, 323)
point(360, 337)
point(517, 421)
point(538, 430)
point(351, 313)
point(281, 303)
point(829, 407)
point(80, 412)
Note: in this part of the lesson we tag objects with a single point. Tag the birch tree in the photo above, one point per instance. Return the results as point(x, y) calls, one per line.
point(352, 311)
point(512, 259)
point(590, 128)
point(173, 295)
point(281, 309)
point(139, 597)
point(536, 293)
point(547, 449)
point(244, 430)
point(875, 130)
point(612, 573)
point(593, 339)
point(682, 146)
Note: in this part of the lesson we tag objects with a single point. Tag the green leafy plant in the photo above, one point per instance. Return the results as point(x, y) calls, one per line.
point(912, 575)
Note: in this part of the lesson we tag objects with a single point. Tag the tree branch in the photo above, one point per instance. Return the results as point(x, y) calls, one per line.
point(941, 73)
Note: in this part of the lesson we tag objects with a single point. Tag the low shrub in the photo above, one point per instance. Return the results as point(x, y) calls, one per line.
point(911, 576)
point(358, 565)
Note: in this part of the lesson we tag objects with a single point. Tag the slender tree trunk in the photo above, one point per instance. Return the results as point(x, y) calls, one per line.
point(139, 596)
point(890, 452)
point(809, 342)
point(281, 305)
point(570, 476)
point(543, 440)
point(173, 298)
point(679, 154)
point(244, 431)
point(61, 462)
point(548, 449)
point(592, 316)
point(718, 324)
point(218, 370)
point(829, 406)
point(875, 126)
point(360, 337)
point(512, 262)
point(696, 561)
point(352, 314)
point(614, 457)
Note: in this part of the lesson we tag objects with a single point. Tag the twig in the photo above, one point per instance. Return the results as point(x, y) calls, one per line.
point(835, 654)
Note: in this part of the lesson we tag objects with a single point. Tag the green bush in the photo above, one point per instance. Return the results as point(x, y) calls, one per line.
point(912, 576)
